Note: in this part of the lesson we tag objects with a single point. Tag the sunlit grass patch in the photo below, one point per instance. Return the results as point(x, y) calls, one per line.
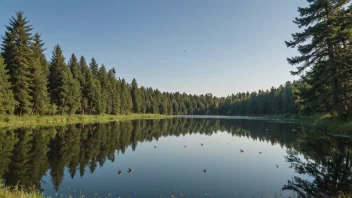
point(16, 192)
point(19, 121)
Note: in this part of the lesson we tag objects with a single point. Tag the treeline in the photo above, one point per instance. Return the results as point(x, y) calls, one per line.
point(32, 85)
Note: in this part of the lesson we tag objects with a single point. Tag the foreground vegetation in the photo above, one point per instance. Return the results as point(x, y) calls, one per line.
point(6, 192)
point(19, 121)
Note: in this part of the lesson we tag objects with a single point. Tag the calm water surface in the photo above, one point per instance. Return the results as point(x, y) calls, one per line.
point(168, 159)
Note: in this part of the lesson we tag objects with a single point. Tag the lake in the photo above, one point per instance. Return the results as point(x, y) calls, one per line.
point(168, 158)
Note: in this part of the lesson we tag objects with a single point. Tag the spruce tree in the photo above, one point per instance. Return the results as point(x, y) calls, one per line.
point(91, 92)
point(118, 96)
point(136, 97)
point(144, 100)
point(41, 100)
point(123, 103)
point(75, 69)
point(77, 76)
point(97, 99)
point(19, 60)
point(129, 99)
point(319, 44)
point(39, 49)
point(74, 97)
point(110, 90)
point(126, 100)
point(105, 85)
point(7, 100)
point(113, 94)
point(57, 66)
point(86, 94)
point(94, 67)
point(94, 87)
point(64, 90)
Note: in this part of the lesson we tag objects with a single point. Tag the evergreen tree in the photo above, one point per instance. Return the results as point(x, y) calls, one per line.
point(97, 100)
point(64, 90)
point(41, 100)
point(320, 44)
point(126, 100)
point(136, 97)
point(77, 76)
point(91, 90)
point(75, 69)
point(87, 94)
point(39, 50)
point(94, 67)
point(95, 88)
point(144, 100)
point(19, 60)
point(118, 97)
point(105, 85)
point(114, 93)
point(7, 100)
point(73, 101)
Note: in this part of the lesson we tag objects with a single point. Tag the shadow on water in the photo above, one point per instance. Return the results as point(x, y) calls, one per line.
point(27, 154)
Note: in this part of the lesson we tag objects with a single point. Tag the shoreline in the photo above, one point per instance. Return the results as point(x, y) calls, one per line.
point(57, 120)
point(325, 123)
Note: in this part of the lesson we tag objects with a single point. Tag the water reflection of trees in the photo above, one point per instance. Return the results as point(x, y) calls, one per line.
point(327, 160)
point(26, 154)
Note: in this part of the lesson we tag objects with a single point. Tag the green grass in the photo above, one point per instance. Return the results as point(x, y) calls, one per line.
point(18, 193)
point(320, 122)
point(19, 121)
point(328, 123)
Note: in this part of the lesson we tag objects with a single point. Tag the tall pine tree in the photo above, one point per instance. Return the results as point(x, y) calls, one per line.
point(64, 90)
point(126, 100)
point(19, 60)
point(95, 88)
point(87, 91)
point(41, 100)
point(325, 34)
point(136, 97)
point(77, 76)
point(94, 67)
point(105, 85)
point(114, 92)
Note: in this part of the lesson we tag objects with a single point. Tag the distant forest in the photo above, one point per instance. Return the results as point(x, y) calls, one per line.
point(32, 85)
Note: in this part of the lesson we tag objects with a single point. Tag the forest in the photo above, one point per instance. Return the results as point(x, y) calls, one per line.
point(32, 85)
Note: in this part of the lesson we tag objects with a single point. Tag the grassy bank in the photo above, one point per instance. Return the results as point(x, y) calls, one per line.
point(328, 123)
point(321, 122)
point(18, 121)
point(6, 192)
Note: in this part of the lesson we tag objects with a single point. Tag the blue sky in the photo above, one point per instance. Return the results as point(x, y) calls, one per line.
point(230, 45)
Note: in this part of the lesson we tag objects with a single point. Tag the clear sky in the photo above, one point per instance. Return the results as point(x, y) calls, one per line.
point(230, 45)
